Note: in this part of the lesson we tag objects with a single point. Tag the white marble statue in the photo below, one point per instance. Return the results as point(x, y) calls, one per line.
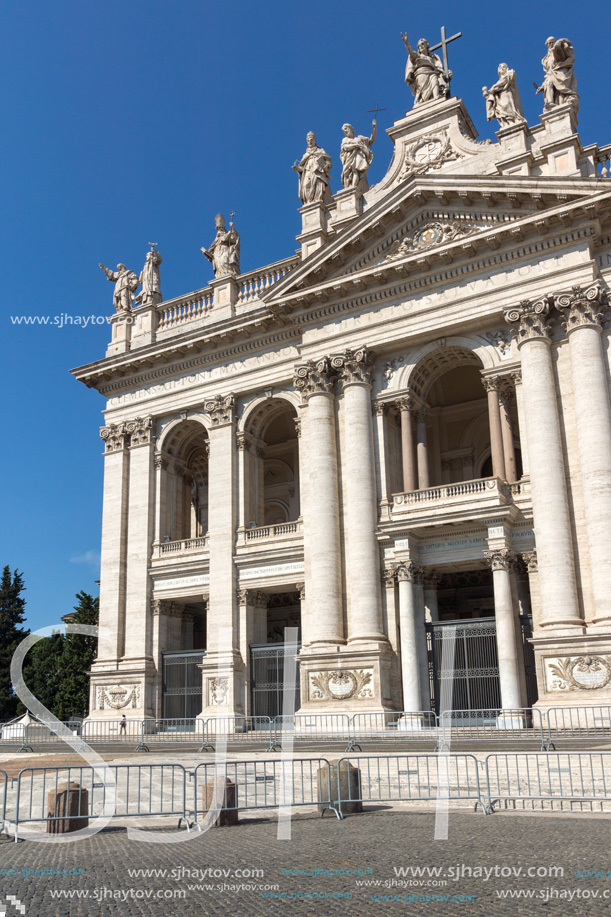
point(356, 156)
point(503, 99)
point(150, 279)
point(560, 84)
point(314, 173)
point(126, 284)
point(424, 73)
point(224, 253)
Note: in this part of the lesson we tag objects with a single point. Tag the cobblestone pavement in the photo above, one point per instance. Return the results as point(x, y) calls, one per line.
point(380, 841)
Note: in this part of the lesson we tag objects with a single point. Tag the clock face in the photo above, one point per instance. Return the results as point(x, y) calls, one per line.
point(427, 152)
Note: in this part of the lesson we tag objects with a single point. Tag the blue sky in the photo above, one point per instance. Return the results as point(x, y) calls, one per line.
point(127, 122)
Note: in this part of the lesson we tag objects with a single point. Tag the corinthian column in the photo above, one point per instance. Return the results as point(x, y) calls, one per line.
point(315, 381)
point(494, 418)
point(583, 310)
point(559, 606)
point(422, 449)
point(362, 550)
point(406, 407)
point(509, 672)
point(408, 624)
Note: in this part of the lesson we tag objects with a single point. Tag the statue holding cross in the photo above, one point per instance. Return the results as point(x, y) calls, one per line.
point(426, 75)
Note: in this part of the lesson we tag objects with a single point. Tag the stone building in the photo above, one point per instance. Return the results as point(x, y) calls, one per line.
point(403, 431)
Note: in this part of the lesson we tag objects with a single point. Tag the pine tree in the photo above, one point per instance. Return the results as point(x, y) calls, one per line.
point(42, 671)
point(78, 655)
point(11, 634)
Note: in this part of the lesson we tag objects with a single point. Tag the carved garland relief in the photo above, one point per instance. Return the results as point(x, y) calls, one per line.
point(341, 684)
point(117, 697)
point(578, 673)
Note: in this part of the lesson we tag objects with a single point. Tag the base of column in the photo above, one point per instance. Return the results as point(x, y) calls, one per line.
point(222, 685)
point(345, 679)
point(123, 687)
point(573, 671)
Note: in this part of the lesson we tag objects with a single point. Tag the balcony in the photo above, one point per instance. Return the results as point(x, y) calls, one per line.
point(177, 549)
point(466, 499)
point(263, 536)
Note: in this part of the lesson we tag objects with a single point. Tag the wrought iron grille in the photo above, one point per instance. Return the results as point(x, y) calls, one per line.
point(267, 679)
point(532, 691)
point(476, 683)
point(182, 684)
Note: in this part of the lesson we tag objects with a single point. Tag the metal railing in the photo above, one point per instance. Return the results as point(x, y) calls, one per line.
point(237, 730)
point(314, 728)
point(578, 723)
point(4, 792)
point(493, 725)
point(393, 727)
point(268, 784)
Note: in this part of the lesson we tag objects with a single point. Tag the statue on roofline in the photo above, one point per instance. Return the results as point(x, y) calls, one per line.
point(559, 85)
point(503, 99)
point(424, 73)
point(150, 278)
point(356, 156)
point(314, 171)
point(126, 284)
point(224, 252)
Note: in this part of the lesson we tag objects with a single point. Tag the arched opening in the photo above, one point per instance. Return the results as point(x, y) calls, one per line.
point(271, 465)
point(183, 504)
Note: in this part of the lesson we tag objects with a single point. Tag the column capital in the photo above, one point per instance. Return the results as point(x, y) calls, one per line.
point(300, 587)
point(406, 403)
point(582, 307)
point(243, 443)
point(221, 410)
point(252, 597)
point(354, 366)
point(140, 431)
point(389, 575)
point(315, 377)
point(114, 437)
point(491, 383)
point(530, 559)
point(421, 414)
point(409, 572)
point(431, 579)
point(502, 559)
point(128, 433)
point(161, 463)
point(380, 408)
point(297, 423)
point(530, 320)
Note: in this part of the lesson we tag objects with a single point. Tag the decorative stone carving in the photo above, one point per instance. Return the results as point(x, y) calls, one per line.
point(430, 234)
point(314, 171)
point(354, 366)
point(150, 279)
point(431, 579)
point(161, 463)
point(341, 684)
point(530, 319)
point(503, 99)
point(579, 673)
point(114, 437)
point(582, 307)
point(389, 576)
point(140, 431)
point(390, 368)
point(314, 377)
point(126, 284)
point(409, 572)
point(530, 559)
point(380, 408)
point(424, 73)
point(430, 151)
point(224, 252)
point(218, 691)
point(501, 340)
point(301, 590)
point(559, 85)
point(117, 697)
point(501, 559)
point(356, 156)
point(221, 410)
point(297, 422)
point(243, 443)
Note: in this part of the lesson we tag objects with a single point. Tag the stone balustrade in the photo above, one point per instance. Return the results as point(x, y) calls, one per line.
point(479, 493)
point(184, 309)
point(253, 284)
point(271, 533)
point(184, 546)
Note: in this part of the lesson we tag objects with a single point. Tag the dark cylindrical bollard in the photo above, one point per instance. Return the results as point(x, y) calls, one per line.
point(349, 786)
point(225, 799)
point(67, 808)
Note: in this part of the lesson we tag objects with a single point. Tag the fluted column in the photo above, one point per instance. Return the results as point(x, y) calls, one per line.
point(406, 407)
point(359, 484)
point(552, 522)
point(506, 397)
point(583, 311)
point(408, 610)
point(113, 564)
point(494, 418)
point(315, 381)
point(422, 449)
point(504, 613)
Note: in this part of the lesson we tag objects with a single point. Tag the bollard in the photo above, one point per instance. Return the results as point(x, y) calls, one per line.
point(349, 786)
point(228, 813)
point(67, 808)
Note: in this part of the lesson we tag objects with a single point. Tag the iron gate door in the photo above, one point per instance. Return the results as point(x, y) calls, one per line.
point(267, 679)
point(182, 684)
point(476, 684)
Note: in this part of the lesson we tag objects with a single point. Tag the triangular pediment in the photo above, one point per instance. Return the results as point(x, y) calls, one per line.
point(441, 219)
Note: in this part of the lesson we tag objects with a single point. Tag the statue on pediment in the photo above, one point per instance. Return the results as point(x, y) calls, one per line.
point(503, 99)
point(150, 278)
point(356, 156)
point(126, 284)
point(560, 83)
point(224, 252)
point(314, 171)
point(424, 73)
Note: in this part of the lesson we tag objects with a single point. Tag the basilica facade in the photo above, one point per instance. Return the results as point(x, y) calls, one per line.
point(400, 435)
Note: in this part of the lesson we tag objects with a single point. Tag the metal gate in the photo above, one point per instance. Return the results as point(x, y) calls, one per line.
point(476, 684)
point(267, 679)
point(182, 684)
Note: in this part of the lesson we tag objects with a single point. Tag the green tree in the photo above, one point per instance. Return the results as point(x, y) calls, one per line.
point(42, 671)
point(11, 634)
point(78, 655)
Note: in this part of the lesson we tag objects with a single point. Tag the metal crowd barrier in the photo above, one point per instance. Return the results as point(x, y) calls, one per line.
point(552, 776)
point(493, 725)
point(159, 732)
point(578, 723)
point(393, 727)
point(265, 785)
point(314, 728)
point(3, 797)
point(406, 778)
point(133, 790)
point(237, 730)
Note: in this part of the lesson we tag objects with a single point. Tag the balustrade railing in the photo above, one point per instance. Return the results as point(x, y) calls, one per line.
point(184, 309)
point(273, 531)
point(448, 491)
point(183, 546)
point(256, 282)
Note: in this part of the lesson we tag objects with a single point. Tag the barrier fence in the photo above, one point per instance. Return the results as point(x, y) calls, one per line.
point(170, 790)
point(353, 730)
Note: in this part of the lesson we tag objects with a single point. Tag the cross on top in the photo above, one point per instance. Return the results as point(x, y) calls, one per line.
point(444, 44)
